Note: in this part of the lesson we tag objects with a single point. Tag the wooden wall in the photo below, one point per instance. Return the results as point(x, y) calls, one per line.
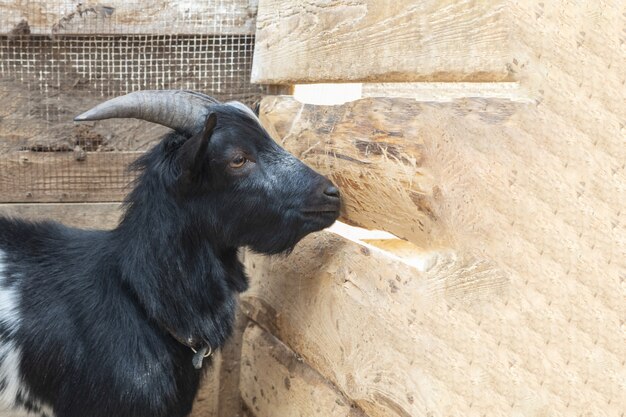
point(307, 41)
point(505, 296)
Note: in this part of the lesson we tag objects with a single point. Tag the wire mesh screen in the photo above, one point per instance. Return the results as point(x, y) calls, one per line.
point(59, 58)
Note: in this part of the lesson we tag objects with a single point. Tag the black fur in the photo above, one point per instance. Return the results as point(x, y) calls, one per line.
point(98, 308)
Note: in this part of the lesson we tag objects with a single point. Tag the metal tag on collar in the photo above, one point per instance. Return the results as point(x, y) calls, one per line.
point(199, 355)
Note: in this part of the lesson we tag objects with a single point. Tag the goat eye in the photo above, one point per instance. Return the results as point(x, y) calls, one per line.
point(238, 162)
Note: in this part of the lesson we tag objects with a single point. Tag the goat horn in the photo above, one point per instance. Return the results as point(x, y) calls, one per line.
point(181, 110)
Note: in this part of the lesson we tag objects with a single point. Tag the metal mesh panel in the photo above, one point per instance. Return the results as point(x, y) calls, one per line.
point(109, 65)
point(56, 66)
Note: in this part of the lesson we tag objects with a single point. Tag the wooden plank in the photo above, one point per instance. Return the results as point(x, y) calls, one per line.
point(363, 319)
point(65, 176)
point(33, 119)
point(89, 216)
point(383, 153)
point(307, 41)
point(453, 173)
point(453, 336)
point(45, 17)
point(529, 190)
point(275, 382)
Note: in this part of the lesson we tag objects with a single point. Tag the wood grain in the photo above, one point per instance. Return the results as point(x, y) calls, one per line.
point(307, 41)
point(65, 176)
point(383, 331)
point(45, 17)
point(385, 154)
point(276, 382)
point(84, 215)
point(528, 198)
point(529, 201)
point(457, 336)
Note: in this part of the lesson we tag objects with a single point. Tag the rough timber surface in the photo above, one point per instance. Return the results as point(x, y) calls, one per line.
point(32, 118)
point(306, 41)
point(276, 382)
point(386, 333)
point(65, 176)
point(388, 155)
point(455, 336)
point(89, 216)
point(50, 17)
point(520, 311)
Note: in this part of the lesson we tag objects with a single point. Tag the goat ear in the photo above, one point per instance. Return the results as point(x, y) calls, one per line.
point(193, 151)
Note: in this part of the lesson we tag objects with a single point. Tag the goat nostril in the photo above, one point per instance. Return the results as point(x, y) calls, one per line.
point(332, 191)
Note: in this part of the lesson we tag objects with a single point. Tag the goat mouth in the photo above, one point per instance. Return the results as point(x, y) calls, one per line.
point(321, 208)
point(320, 211)
point(320, 214)
point(326, 209)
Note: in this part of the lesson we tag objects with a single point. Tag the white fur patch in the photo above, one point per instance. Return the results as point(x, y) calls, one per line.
point(9, 314)
point(10, 378)
point(9, 374)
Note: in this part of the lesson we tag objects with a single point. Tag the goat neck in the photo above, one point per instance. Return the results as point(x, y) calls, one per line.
point(183, 279)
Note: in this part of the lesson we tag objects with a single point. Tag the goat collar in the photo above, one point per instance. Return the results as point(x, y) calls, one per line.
point(200, 354)
point(200, 350)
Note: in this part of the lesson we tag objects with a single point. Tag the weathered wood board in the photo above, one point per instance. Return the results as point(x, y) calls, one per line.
point(65, 176)
point(276, 382)
point(520, 310)
point(456, 336)
point(89, 216)
point(504, 179)
point(526, 197)
point(308, 41)
point(46, 17)
point(387, 154)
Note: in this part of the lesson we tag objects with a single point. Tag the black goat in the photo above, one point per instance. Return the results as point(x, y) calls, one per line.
point(105, 323)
